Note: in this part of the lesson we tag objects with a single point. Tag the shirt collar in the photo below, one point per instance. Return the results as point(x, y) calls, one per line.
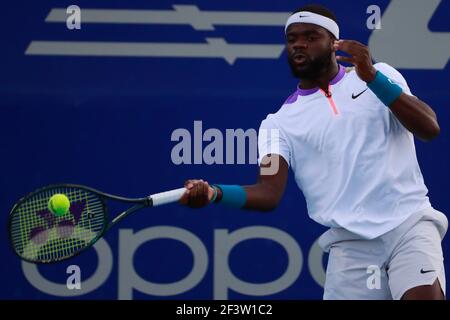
point(336, 79)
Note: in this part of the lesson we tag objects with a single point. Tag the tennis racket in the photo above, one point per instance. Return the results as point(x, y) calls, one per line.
point(39, 236)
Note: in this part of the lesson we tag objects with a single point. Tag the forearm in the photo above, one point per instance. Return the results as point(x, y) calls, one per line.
point(264, 195)
point(416, 116)
point(259, 197)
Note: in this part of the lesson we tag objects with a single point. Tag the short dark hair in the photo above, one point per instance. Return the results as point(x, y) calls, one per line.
point(319, 9)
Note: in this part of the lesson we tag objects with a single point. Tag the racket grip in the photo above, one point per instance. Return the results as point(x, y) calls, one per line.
point(167, 197)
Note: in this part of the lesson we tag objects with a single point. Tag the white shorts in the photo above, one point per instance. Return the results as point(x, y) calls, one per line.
point(386, 267)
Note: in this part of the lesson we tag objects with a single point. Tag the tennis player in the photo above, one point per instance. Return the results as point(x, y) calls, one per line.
point(348, 135)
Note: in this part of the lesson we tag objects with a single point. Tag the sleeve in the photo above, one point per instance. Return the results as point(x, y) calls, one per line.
point(271, 140)
point(393, 75)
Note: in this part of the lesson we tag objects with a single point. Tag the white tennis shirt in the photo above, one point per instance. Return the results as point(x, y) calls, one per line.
point(353, 160)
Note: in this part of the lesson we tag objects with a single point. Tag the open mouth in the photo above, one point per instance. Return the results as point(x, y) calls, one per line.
point(300, 58)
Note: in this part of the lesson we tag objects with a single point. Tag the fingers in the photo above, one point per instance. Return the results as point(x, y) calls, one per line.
point(349, 46)
point(359, 52)
point(345, 59)
point(360, 57)
point(184, 198)
point(197, 193)
point(188, 184)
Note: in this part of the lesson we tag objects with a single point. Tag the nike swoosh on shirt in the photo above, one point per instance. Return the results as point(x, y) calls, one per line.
point(357, 95)
point(425, 271)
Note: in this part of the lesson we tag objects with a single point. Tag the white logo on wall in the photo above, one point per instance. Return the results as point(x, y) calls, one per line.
point(74, 280)
point(73, 20)
point(217, 146)
point(228, 148)
point(223, 280)
point(212, 47)
point(405, 26)
point(374, 20)
point(405, 23)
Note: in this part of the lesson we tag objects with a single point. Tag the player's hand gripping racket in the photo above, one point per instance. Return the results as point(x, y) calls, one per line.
point(40, 236)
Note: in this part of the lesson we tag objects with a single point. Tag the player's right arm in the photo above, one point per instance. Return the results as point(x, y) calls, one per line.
point(264, 195)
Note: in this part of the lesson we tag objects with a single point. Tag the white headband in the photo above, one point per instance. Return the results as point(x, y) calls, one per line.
point(314, 18)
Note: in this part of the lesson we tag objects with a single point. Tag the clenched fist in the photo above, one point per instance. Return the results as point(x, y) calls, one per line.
point(198, 194)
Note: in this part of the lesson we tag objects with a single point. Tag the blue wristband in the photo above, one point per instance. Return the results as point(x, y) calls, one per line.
point(384, 89)
point(214, 197)
point(232, 195)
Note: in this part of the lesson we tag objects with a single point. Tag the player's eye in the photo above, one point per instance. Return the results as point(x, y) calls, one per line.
point(311, 38)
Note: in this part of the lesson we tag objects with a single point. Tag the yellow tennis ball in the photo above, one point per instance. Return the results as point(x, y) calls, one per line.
point(59, 204)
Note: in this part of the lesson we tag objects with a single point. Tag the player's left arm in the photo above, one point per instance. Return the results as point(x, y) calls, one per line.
point(413, 113)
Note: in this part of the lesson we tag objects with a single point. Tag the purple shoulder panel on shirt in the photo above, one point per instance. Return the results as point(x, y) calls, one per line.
point(292, 98)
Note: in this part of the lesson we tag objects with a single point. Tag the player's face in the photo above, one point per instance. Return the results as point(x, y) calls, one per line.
point(310, 50)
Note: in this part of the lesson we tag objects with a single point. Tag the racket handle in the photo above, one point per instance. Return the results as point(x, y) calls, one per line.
point(167, 197)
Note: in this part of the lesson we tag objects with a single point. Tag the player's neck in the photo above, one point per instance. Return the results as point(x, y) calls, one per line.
point(322, 80)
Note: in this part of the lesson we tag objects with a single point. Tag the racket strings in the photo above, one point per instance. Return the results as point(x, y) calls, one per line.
point(39, 235)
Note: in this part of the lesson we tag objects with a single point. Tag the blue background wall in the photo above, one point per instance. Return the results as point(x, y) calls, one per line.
point(106, 122)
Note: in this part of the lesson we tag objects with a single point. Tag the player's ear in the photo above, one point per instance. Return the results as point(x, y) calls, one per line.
point(332, 40)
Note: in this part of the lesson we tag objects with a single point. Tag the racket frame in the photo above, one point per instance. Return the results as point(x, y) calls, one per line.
point(103, 196)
